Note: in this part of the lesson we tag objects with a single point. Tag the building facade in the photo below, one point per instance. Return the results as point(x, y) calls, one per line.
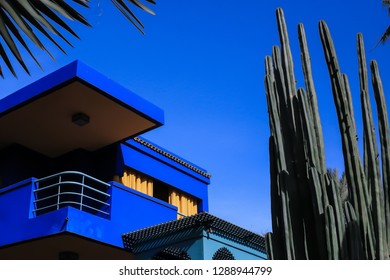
point(78, 181)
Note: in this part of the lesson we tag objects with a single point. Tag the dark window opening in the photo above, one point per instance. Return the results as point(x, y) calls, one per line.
point(161, 191)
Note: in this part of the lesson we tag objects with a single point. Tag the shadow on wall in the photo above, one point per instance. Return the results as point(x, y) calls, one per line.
point(18, 163)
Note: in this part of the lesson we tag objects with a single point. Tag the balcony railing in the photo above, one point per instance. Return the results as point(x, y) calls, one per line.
point(71, 188)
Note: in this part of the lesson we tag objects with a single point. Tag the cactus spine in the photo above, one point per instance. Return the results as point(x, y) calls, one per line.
point(309, 219)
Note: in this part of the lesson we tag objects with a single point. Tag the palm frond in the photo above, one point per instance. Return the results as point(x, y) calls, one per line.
point(124, 8)
point(385, 36)
point(30, 17)
point(386, 3)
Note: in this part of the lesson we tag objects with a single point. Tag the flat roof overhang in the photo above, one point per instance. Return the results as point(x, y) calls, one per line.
point(39, 116)
point(49, 248)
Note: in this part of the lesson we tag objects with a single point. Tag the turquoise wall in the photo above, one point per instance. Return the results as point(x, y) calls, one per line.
point(199, 245)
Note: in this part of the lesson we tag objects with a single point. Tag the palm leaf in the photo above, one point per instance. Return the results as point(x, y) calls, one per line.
point(14, 30)
point(386, 34)
point(386, 3)
point(34, 18)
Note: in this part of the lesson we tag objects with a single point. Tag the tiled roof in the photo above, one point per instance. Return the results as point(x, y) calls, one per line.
point(205, 220)
point(171, 157)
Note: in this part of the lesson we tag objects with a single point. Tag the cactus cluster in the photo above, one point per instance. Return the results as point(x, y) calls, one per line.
point(310, 220)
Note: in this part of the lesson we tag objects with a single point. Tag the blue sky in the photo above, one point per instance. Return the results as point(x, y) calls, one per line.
point(202, 63)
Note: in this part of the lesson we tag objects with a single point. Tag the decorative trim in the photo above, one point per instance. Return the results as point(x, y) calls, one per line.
point(203, 220)
point(171, 157)
point(223, 254)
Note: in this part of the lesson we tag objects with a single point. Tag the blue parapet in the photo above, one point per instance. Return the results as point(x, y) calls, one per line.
point(129, 210)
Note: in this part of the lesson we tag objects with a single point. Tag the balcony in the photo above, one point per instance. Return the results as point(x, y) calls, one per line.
point(76, 203)
point(74, 189)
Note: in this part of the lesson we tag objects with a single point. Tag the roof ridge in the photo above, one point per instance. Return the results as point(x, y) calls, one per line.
point(202, 219)
point(171, 157)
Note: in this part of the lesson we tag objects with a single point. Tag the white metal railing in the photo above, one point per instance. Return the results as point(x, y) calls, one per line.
point(71, 188)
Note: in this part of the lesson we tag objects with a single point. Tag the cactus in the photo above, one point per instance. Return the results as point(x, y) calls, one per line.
point(384, 136)
point(309, 218)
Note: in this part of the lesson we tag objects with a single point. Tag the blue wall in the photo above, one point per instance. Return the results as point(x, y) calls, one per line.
point(157, 166)
point(130, 210)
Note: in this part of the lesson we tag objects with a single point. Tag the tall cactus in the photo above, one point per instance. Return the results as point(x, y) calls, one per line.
point(384, 136)
point(309, 218)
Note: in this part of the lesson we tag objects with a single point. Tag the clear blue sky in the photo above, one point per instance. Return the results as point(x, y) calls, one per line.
point(202, 63)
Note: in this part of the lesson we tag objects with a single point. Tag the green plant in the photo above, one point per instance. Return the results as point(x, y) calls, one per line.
point(310, 220)
point(386, 35)
point(44, 16)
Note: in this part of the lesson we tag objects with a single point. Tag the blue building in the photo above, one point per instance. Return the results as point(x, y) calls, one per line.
point(77, 181)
